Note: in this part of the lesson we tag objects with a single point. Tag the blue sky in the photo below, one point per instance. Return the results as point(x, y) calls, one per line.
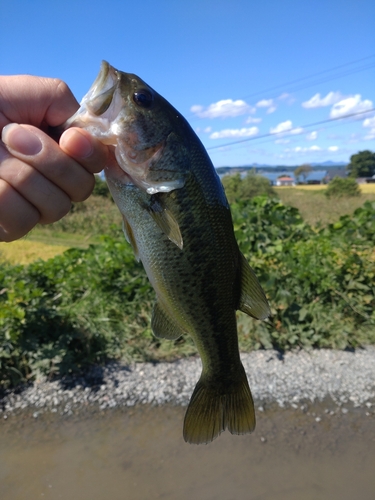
point(236, 69)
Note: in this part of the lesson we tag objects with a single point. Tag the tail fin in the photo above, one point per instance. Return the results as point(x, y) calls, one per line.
point(210, 411)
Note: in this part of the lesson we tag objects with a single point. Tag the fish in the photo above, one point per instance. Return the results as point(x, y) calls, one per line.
point(178, 222)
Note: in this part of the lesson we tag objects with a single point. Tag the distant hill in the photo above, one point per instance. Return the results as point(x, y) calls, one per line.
point(326, 165)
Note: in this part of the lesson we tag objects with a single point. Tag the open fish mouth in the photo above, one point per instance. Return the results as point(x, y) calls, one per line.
point(113, 111)
point(100, 106)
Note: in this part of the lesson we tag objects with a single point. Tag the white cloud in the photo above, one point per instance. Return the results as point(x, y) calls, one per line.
point(370, 123)
point(371, 135)
point(207, 130)
point(264, 103)
point(333, 148)
point(297, 130)
point(300, 149)
point(232, 133)
point(282, 141)
point(282, 127)
point(250, 119)
point(223, 109)
point(319, 102)
point(267, 103)
point(288, 98)
point(350, 105)
point(286, 126)
point(312, 136)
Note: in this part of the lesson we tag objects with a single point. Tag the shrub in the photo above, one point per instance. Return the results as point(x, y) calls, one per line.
point(101, 188)
point(250, 186)
point(341, 187)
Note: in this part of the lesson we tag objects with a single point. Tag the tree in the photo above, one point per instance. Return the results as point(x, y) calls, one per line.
point(362, 164)
point(302, 170)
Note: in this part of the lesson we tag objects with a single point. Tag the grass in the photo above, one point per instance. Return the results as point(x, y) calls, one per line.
point(24, 251)
point(316, 208)
point(83, 225)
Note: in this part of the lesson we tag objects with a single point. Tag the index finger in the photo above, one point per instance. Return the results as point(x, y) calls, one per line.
point(35, 100)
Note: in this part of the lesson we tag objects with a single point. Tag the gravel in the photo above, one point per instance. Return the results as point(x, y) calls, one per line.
point(287, 380)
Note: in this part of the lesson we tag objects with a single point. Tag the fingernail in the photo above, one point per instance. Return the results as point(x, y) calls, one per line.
point(76, 144)
point(21, 140)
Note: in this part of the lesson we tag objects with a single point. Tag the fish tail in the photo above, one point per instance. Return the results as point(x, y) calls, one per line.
point(211, 411)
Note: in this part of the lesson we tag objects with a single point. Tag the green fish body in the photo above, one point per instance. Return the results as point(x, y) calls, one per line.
point(178, 221)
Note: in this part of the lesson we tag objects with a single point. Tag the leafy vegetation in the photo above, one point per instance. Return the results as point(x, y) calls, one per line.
point(101, 188)
point(342, 187)
point(238, 188)
point(362, 164)
point(90, 305)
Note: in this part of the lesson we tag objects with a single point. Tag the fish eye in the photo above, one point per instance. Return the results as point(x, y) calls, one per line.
point(143, 98)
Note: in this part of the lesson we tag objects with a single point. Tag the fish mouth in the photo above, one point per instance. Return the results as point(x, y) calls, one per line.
point(100, 106)
point(100, 95)
point(107, 113)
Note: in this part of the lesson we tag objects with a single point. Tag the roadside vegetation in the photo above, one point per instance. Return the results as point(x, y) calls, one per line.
point(314, 256)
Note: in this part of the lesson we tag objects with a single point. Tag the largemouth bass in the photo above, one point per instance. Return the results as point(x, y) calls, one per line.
point(177, 219)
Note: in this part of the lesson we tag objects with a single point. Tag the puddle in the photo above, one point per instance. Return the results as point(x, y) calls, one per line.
point(139, 453)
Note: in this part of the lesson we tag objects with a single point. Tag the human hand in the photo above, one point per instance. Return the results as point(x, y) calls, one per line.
point(38, 177)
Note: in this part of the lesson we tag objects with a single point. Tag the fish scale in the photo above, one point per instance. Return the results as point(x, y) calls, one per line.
point(178, 221)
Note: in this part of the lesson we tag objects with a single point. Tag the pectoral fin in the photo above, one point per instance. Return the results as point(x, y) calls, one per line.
point(253, 300)
point(166, 222)
point(129, 236)
point(162, 324)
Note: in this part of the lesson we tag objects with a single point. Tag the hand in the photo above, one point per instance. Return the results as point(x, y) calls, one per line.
point(38, 177)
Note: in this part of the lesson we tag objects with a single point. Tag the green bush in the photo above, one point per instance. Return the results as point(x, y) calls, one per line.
point(237, 188)
point(77, 309)
point(101, 188)
point(88, 306)
point(341, 187)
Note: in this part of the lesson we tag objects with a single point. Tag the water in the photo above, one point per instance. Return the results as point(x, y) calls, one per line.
point(138, 454)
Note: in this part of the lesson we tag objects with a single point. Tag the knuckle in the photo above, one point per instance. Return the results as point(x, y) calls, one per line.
point(59, 210)
point(61, 88)
point(85, 190)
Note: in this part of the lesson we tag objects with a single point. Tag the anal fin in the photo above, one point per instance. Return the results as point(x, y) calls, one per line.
point(163, 325)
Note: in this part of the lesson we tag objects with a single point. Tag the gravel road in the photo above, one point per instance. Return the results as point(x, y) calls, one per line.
point(343, 377)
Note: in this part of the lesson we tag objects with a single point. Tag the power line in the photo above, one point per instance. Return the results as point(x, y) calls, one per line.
point(272, 134)
point(334, 77)
point(315, 82)
point(279, 86)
